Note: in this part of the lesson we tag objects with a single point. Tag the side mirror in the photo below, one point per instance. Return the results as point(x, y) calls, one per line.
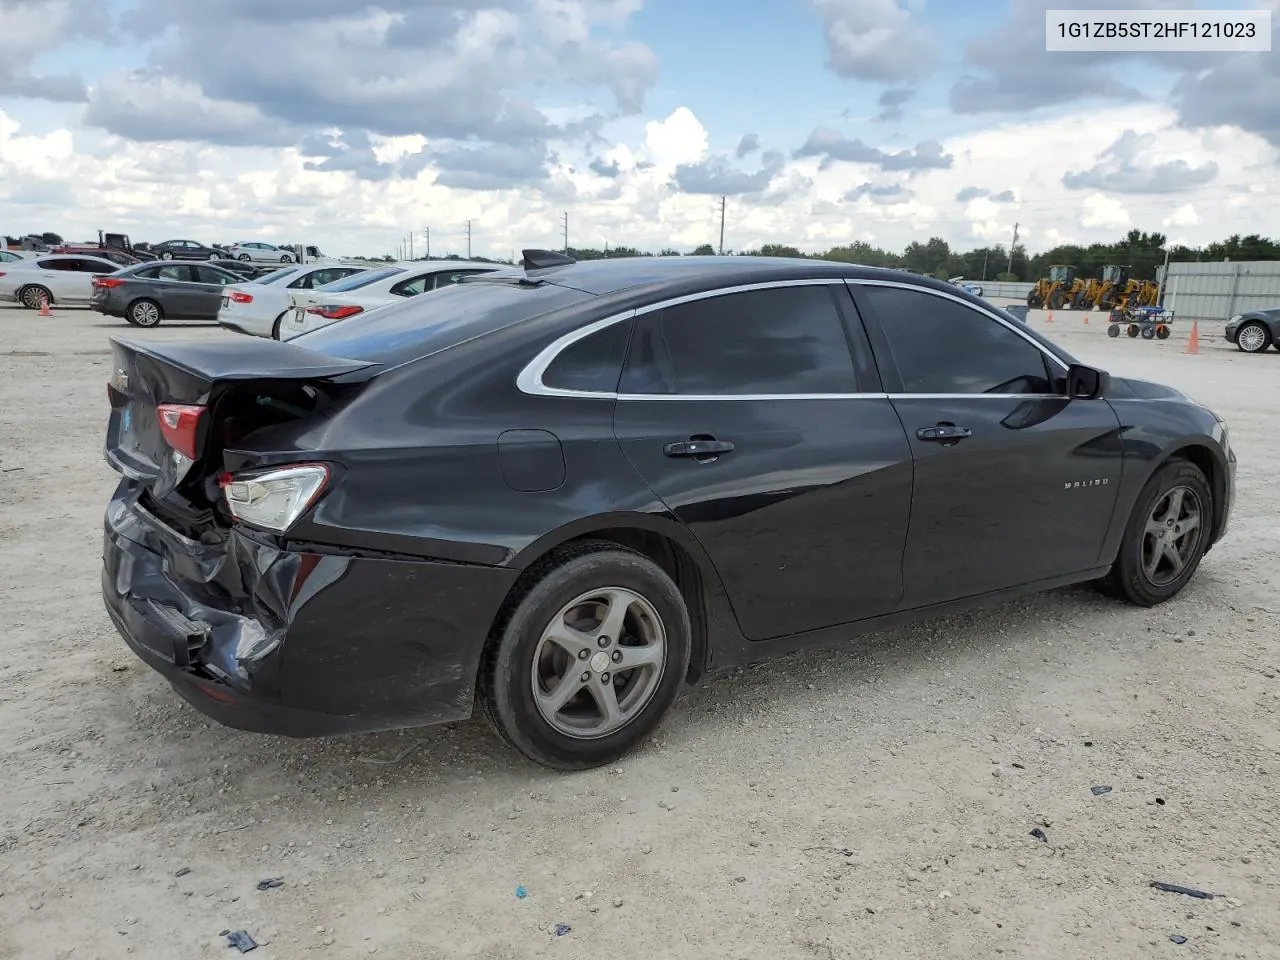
point(1086, 383)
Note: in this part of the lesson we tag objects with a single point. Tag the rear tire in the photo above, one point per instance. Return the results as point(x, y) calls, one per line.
point(1113, 330)
point(144, 313)
point(1131, 577)
point(32, 296)
point(524, 667)
point(275, 327)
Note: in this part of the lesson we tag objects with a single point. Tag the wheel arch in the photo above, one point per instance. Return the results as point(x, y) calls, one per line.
point(1211, 463)
point(39, 286)
point(663, 540)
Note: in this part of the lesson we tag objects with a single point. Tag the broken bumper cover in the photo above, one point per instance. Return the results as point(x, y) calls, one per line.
point(296, 643)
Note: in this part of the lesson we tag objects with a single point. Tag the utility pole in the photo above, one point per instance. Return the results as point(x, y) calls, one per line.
point(1012, 246)
point(722, 199)
point(564, 225)
point(468, 239)
point(985, 254)
point(410, 244)
point(426, 233)
point(1164, 276)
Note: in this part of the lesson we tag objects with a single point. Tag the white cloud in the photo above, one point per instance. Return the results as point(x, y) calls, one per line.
point(1101, 211)
point(76, 182)
point(680, 138)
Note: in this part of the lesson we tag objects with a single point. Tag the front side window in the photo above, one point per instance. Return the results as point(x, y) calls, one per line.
point(784, 340)
point(174, 271)
point(941, 346)
point(213, 275)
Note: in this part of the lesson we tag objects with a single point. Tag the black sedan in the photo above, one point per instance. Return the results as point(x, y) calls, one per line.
point(152, 292)
point(562, 492)
point(186, 250)
point(1253, 332)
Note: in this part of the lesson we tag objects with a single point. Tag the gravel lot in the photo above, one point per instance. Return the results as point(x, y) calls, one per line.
point(871, 803)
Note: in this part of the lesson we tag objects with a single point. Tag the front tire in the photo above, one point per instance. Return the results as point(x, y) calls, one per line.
point(166, 255)
point(32, 296)
point(589, 660)
point(243, 258)
point(1165, 538)
point(144, 313)
point(1253, 338)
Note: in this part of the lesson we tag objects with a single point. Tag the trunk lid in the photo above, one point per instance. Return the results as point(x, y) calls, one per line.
point(217, 392)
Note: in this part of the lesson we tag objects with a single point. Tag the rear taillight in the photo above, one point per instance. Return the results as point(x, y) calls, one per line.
point(239, 297)
point(275, 500)
point(180, 424)
point(335, 311)
point(108, 282)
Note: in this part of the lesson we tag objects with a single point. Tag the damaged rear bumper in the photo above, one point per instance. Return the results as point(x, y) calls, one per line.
point(292, 642)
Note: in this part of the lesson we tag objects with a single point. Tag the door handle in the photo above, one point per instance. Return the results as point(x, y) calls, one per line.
point(697, 448)
point(943, 433)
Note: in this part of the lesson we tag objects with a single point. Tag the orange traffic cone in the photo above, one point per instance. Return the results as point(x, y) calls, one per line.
point(44, 307)
point(1193, 342)
point(1086, 316)
point(1050, 320)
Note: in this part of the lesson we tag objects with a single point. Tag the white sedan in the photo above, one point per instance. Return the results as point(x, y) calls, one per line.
point(311, 310)
point(258, 307)
point(262, 253)
point(53, 278)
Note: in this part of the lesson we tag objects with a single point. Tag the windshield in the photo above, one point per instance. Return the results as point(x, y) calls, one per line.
point(434, 321)
point(358, 280)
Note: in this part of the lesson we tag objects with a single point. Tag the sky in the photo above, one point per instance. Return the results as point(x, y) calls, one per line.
point(351, 124)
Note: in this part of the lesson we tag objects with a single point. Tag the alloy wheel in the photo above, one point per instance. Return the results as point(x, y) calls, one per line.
point(599, 662)
point(1172, 535)
point(32, 298)
point(1252, 338)
point(145, 314)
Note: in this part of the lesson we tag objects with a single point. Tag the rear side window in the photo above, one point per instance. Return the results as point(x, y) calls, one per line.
point(174, 271)
point(593, 364)
point(207, 274)
point(786, 340)
point(413, 328)
point(415, 285)
point(941, 346)
point(364, 279)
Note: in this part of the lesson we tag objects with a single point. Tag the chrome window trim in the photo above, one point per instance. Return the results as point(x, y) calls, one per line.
point(982, 311)
point(529, 380)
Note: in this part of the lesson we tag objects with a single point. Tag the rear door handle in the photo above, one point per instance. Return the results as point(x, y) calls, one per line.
point(697, 448)
point(943, 433)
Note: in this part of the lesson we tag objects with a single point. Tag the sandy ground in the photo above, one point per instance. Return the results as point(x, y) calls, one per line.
point(871, 803)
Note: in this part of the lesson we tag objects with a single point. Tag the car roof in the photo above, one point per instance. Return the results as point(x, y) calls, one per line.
point(71, 256)
point(616, 274)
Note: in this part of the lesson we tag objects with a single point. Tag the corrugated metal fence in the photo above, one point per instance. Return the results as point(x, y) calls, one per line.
point(1217, 291)
point(1004, 289)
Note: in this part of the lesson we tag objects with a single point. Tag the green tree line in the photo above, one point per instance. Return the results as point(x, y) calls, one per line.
point(1140, 251)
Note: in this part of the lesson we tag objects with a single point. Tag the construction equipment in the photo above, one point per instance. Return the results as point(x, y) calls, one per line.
point(1056, 290)
point(1117, 289)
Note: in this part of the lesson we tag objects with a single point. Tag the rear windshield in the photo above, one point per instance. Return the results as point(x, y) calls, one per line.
point(358, 280)
point(437, 320)
point(277, 275)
